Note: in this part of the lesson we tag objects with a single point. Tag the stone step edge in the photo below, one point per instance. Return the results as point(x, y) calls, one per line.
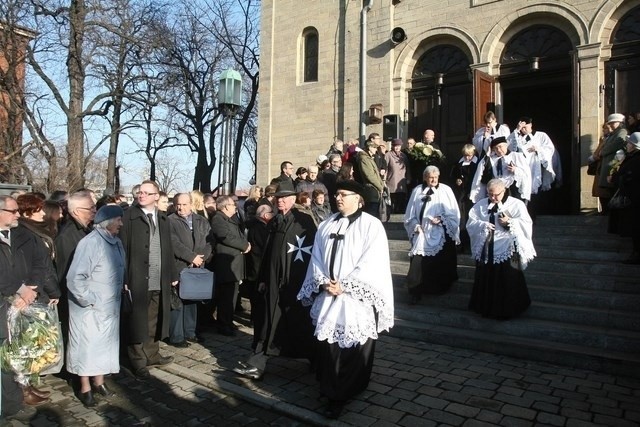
point(618, 277)
point(534, 323)
point(482, 336)
point(586, 292)
point(209, 381)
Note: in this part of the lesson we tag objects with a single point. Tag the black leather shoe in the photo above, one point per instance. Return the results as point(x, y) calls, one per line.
point(160, 361)
point(87, 399)
point(196, 339)
point(142, 374)
point(333, 409)
point(249, 371)
point(103, 390)
point(227, 332)
point(181, 344)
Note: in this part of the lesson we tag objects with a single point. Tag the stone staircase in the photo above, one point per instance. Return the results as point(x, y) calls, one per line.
point(585, 310)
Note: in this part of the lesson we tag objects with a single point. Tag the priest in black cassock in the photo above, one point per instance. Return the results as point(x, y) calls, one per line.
point(286, 328)
point(500, 229)
point(349, 287)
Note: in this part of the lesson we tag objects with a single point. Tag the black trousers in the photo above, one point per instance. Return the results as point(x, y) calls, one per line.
point(226, 294)
point(146, 353)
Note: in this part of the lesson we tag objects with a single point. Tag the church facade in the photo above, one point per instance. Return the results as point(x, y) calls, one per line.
point(340, 69)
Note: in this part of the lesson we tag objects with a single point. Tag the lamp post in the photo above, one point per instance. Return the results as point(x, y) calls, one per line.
point(229, 97)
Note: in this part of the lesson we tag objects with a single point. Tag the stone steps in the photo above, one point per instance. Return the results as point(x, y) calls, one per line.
point(584, 310)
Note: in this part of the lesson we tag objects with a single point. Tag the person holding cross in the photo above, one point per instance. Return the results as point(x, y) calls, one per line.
point(348, 284)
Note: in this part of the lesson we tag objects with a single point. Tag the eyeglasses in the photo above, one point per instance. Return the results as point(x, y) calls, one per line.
point(144, 193)
point(343, 195)
point(92, 208)
point(12, 211)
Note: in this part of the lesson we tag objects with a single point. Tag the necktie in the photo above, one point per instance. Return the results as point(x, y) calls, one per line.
point(528, 138)
point(152, 225)
point(5, 233)
point(500, 166)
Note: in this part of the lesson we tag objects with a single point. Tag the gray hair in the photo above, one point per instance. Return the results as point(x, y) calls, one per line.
point(3, 201)
point(334, 156)
point(224, 200)
point(76, 198)
point(430, 169)
point(496, 183)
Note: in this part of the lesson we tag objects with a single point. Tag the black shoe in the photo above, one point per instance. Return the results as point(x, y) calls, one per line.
point(142, 374)
point(103, 390)
point(249, 371)
point(24, 414)
point(181, 344)
point(333, 409)
point(160, 361)
point(87, 399)
point(195, 339)
point(227, 332)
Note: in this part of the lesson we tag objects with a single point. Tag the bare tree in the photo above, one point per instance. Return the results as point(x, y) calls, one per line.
point(191, 60)
point(238, 30)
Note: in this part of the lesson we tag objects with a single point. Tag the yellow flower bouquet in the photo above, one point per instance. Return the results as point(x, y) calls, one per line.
point(34, 343)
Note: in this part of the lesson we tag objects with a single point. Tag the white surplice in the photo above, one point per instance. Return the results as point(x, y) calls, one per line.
point(362, 267)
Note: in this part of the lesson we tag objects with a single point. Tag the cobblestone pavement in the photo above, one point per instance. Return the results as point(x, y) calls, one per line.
point(414, 384)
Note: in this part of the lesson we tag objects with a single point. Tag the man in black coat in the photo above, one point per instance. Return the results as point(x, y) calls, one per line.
point(286, 328)
point(228, 263)
point(286, 174)
point(151, 272)
point(23, 264)
point(81, 210)
point(258, 237)
point(191, 240)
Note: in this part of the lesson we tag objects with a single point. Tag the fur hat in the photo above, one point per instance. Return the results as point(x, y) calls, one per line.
point(634, 139)
point(616, 117)
point(396, 141)
point(108, 212)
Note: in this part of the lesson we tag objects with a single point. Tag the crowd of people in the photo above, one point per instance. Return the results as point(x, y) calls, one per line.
point(615, 166)
point(304, 250)
point(115, 273)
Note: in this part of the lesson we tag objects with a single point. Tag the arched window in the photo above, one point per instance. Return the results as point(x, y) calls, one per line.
point(310, 55)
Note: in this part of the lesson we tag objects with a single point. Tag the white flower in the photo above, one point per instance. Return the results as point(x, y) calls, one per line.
point(427, 151)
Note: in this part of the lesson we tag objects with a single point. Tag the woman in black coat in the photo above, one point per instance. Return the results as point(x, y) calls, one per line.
point(624, 221)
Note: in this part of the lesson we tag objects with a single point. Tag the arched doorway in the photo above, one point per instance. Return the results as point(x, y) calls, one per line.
point(536, 81)
point(441, 98)
point(622, 73)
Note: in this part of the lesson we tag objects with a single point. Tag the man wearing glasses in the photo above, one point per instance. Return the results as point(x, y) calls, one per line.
point(151, 272)
point(23, 267)
point(228, 261)
point(348, 284)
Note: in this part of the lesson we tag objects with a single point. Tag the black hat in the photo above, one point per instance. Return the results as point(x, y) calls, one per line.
point(107, 212)
point(285, 188)
point(498, 140)
point(350, 185)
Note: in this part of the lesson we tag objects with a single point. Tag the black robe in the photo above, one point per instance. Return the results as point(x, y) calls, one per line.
point(286, 328)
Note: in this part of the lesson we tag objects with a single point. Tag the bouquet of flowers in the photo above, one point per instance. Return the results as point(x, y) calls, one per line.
point(34, 343)
point(427, 154)
point(615, 163)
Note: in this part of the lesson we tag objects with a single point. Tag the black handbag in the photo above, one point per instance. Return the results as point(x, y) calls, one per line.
point(619, 201)
point(126, 303)
point(592, 168)
point(176, 302)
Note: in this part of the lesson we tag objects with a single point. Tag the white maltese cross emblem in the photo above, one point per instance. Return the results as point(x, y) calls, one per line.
point(299, 249)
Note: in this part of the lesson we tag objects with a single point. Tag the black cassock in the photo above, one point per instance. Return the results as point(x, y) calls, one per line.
point(286, 328)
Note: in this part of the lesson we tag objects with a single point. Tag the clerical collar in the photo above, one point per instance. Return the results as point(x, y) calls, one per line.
point(425, 186)
point(500, 203)
point(351, 217)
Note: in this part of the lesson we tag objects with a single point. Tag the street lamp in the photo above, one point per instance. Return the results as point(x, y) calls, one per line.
point(229, 97)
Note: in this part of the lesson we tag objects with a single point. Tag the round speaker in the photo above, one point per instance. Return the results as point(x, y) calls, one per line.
point(398, 35)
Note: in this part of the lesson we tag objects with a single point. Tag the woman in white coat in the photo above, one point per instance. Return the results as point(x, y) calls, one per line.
point(95, 282)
